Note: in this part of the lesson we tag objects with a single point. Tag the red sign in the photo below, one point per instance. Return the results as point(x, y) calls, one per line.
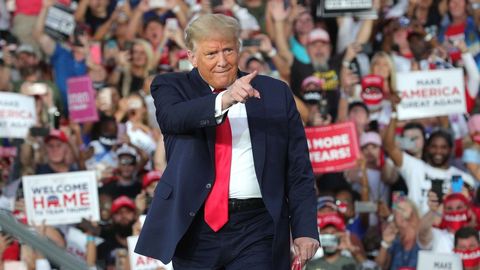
point(333, 148)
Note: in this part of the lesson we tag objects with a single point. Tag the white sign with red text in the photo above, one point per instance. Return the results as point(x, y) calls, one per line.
point(430, 93)
point(139, 262)
point(61, 198)
point(17, 115)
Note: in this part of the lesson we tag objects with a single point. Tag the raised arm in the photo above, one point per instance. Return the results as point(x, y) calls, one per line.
point(46, 43)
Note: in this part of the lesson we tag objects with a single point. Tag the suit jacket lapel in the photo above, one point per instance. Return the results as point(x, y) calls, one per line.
point(256, 125)
point(203, 89)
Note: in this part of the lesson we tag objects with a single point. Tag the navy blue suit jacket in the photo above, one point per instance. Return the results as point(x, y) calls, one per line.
point(185, 110)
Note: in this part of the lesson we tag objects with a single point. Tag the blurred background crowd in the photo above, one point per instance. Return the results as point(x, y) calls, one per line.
point(415, 184)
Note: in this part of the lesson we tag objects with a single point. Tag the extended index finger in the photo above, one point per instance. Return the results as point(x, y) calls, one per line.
point(248, 78)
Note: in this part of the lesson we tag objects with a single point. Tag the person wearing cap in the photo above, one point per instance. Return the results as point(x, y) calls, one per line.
point(314, 98)
point(124, 215)
point(126, 181)
point(444, 218)
point(149, 183)
point(238, 182)
point(333, 239)
point(58, 150)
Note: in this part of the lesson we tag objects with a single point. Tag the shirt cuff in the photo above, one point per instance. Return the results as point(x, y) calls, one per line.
point(218, 108)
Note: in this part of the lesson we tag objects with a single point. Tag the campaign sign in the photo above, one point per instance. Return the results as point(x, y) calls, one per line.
point(60, 22)
point(81, 100)
point(430, 93)
point(17, 115)
point(139, 262)
point(77, 243)
point(8, 151)
point(332, 148)
point(61, 198)
point(335, 8)
point(438, 261)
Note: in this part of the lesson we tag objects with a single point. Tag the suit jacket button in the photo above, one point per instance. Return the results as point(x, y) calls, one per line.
point(192, 214)
point(208, 186)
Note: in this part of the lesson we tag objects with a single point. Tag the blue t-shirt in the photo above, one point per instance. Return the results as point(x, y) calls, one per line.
point(65, 66)
point(401, 257)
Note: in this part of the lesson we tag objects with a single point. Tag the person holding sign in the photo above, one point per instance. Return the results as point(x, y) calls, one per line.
point(418, 173)
point(238, 179)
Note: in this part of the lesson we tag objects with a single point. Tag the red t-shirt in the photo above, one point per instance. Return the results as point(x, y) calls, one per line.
point(28, 7)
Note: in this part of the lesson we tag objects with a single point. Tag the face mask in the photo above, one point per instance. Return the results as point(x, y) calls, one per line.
point(470, 258)
point(108, 142)
point(329, 243)
point(455, 220)
point(312, 97)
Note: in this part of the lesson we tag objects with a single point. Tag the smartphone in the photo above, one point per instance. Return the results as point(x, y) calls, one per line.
point(397, 196)
point(457, 183)
point(365, 207)
point(171, 23)
point(250, 42)
point(367, 48)
point(39, 131)
point(437, 187)
point(96, 53)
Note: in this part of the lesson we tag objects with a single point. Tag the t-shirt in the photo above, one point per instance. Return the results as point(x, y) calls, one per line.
point(65, 66)
point(442, 241)
point(342, 263)
point(418, 176)
point(401, 257)
point(471, 155)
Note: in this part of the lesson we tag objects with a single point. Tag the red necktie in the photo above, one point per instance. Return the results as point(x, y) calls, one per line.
point(216, 205)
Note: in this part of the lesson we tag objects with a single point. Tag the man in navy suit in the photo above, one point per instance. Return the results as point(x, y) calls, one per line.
point(238, 182)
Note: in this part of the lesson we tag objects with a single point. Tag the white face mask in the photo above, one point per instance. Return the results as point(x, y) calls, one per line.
point(329, 243)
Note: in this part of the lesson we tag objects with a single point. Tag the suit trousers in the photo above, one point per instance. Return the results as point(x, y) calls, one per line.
point(245, 242)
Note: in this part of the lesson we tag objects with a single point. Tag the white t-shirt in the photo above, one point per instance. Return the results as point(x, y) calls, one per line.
point(442, 241)
point(418, 175)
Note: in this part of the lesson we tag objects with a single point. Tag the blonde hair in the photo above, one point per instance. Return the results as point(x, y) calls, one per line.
point(148, 52)
point(392, 80)
point(211, 25)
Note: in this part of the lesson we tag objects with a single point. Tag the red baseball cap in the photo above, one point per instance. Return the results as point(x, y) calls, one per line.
point(150, 177)
point(334, 219)
point(122, 201)
point(456, 196)
point(56, 134)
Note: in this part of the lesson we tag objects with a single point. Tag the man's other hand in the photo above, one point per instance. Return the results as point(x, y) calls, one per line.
point(305, 248)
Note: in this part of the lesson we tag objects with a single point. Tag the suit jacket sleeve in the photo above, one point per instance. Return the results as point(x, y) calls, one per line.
point(176, 110)
point(300, 183)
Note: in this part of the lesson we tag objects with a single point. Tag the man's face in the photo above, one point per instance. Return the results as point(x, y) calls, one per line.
point(216, 60)
point(56, 150)
point(124, 216)
point(319, 52)
point(154, 33)
point(372, 153)
point(438, 152)
point(359, 116)
point(126, 166)
point(26, 60)
point(469, 243)
point(455, 205)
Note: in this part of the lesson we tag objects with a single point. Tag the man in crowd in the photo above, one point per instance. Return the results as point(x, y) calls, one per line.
point(223, 201)
point(467, 245)
point(123, 217)
point(418, 173)
point(456, 214)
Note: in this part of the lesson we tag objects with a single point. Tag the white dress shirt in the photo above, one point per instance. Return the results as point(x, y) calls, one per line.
point(243, 179)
